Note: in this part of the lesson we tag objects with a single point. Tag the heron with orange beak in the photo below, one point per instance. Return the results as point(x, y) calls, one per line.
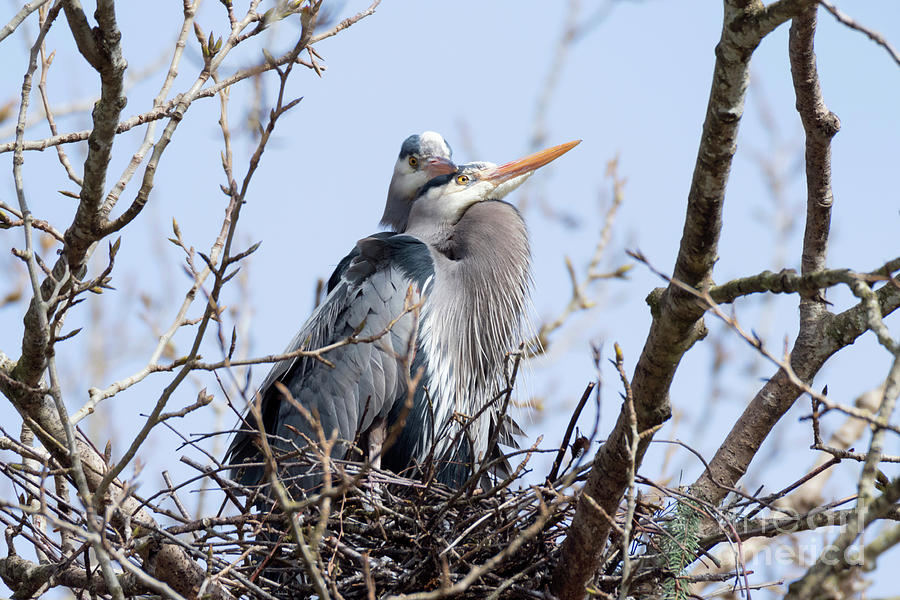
point(464, 259)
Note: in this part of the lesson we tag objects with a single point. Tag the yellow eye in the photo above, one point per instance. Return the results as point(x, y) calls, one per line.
point(462, 179)
point(413, 161)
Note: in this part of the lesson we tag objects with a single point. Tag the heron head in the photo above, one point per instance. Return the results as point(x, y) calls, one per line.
point(445, 199)
point(422, 157)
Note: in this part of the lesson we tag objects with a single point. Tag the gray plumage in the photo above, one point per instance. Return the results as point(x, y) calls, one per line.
point(431, 155)
point(408, 179)
point(465, 255)
point(473, 317)
point(367, 380)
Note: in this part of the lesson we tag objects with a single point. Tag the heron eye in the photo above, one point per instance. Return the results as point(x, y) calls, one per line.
point(462, 179)
point(413, 161)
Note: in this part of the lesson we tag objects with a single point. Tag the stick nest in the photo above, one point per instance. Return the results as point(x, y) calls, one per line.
point(387, 535)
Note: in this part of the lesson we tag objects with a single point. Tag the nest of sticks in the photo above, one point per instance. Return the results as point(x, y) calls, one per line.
point(374, 534)
point(366, 533)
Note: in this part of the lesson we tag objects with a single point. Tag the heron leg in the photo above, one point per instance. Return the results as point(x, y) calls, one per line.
point(375, 445)
point(377, 434)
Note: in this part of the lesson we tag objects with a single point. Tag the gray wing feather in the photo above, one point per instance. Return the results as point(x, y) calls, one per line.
point(367, 378)
point(346, 390)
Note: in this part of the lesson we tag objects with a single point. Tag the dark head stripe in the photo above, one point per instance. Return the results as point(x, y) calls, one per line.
point(438, 181)
point(410, 145)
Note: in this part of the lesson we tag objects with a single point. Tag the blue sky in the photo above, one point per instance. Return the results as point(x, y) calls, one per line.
point(634, 85)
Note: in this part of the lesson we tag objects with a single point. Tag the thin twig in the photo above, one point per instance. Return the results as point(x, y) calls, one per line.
point(870, 33)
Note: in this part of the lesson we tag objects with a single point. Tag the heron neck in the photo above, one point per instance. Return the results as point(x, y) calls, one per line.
point(396, 209)
point(476, 309)
point(490, 240)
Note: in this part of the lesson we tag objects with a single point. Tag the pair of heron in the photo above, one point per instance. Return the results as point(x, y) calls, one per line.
point(445, 293)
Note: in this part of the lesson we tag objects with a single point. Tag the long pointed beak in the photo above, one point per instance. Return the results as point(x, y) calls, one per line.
point(529, 164)
point(438, 165)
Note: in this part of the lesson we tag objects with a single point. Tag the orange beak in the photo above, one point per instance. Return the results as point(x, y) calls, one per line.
point(529, 163)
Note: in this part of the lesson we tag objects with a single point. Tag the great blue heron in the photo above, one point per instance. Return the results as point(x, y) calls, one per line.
point(422, 157)
point(464, 259)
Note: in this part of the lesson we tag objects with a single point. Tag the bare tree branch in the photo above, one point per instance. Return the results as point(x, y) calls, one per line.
point(20, 16)
point(677, 322)
point(24, 575)
point(869, 33)
point(807, 356)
